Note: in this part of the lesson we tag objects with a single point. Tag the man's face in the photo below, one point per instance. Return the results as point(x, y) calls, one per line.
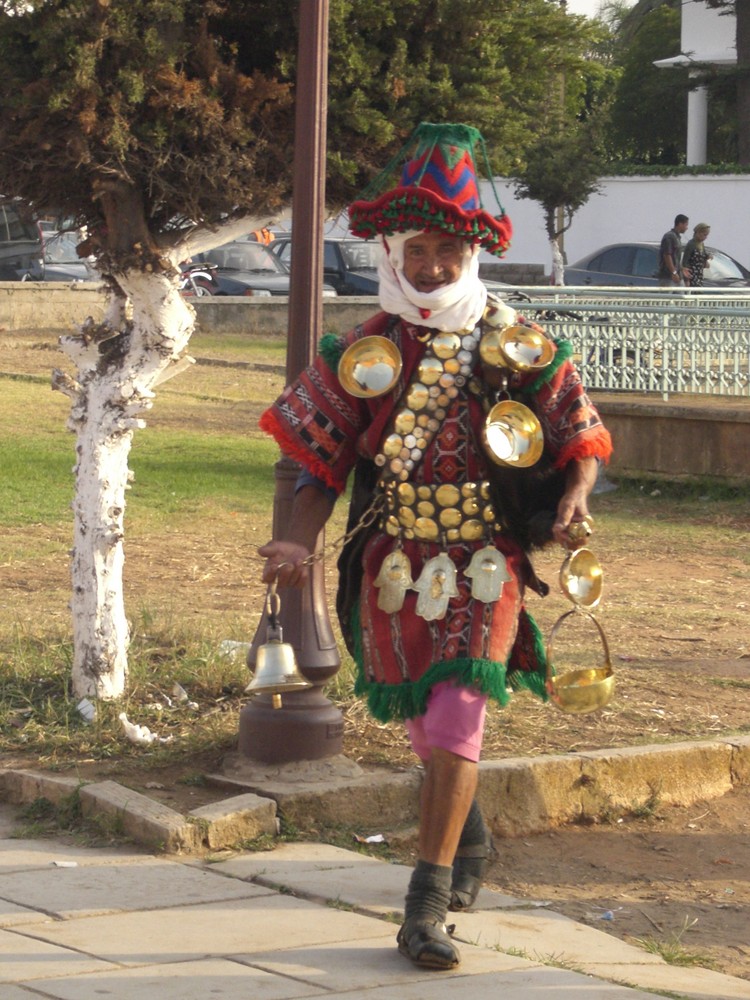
point(682, 226)
point(432, 260)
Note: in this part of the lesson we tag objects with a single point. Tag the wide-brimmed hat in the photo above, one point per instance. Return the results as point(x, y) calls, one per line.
point(437, 190)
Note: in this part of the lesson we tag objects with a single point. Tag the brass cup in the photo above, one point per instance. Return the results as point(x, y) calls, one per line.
point(370, 367)
point(581, 578)
point(583, 690)
point(513, 435)
point(519, 348)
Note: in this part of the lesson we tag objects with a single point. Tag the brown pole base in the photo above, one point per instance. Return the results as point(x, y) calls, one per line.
point(306, 727)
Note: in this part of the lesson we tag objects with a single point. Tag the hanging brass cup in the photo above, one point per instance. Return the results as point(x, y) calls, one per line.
point(581, 578)
point(580, 690)
point(370, 367)
point(513, 435)
point(519, 348)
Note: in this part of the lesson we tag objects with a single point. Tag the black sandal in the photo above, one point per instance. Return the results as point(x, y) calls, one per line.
point(426, 941)
point(469, 868)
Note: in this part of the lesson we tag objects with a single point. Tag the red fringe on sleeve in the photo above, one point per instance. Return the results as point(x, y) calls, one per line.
point(270, 424)
point(597, 443)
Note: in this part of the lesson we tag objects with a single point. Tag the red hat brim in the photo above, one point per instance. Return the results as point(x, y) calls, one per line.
point(405, 208)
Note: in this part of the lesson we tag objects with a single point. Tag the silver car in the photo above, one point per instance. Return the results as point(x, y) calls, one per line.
point(637, 264)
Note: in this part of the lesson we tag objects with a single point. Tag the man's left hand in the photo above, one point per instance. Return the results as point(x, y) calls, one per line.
point(573, 506)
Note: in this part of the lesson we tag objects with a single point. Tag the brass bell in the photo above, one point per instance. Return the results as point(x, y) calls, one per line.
point(276, 670)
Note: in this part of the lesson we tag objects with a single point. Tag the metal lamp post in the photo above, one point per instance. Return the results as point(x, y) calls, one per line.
point(307, 726)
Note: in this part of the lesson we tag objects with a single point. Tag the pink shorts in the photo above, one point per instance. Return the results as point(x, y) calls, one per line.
point(454, 721)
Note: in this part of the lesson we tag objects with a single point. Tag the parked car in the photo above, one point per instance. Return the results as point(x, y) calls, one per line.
point(61, 262)
point(350, 265)
point(637, 264)
point(21, 247)
point(249, 268)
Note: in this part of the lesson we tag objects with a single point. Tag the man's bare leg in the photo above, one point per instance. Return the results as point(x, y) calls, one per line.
point(447, 793)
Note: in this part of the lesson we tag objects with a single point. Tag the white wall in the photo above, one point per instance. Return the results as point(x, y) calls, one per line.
point(708, 35)
point(632, 208)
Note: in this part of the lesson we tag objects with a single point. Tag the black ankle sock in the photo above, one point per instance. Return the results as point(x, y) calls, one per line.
point(429, 891)
point(474, 831)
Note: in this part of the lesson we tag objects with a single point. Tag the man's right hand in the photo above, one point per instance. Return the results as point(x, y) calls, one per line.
point(285, 563)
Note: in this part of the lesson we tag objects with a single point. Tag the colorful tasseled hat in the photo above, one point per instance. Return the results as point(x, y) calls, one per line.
point(438, 190)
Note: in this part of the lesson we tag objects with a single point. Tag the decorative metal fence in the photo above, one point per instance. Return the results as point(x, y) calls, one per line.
point(645, 342)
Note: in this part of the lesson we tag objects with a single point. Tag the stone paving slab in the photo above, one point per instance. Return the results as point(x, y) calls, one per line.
point(18, 993)
point(694, 982)
point(214, 978)
point(24, 959)
point(68, 893)
point(12, 915)
point(357, 965)
point(236, 927)
point(534, 984)
point(320, 871)
point(25, 855)
point(548, 936)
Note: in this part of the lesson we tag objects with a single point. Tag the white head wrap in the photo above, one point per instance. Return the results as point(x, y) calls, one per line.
point(457, 306)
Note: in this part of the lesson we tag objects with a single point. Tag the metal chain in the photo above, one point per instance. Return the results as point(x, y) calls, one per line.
point(368, 517)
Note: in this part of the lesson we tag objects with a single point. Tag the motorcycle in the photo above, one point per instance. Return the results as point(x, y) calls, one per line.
point(198, 279)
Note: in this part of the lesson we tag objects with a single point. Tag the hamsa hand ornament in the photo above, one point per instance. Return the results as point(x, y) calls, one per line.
point(435, 586)
point(393, 579)
point(488, 571)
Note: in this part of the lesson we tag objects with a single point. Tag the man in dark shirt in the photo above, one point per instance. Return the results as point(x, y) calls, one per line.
point(670, 253)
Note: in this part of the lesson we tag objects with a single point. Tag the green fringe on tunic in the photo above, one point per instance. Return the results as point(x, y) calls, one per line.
point(564, 351)
point(409, 699)
point(330, 349)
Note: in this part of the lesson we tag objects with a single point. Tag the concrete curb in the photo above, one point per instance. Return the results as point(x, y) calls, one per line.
point(519, 796)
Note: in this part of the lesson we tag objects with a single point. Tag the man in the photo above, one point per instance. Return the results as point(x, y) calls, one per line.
point(670, 253)
point(430, 594)
point(263, 235)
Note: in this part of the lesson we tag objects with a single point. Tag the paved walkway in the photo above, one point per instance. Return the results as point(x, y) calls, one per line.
point(303, 920)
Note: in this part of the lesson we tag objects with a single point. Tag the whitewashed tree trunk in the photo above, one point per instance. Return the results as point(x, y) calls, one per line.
point(558, 264)
point(119, 361)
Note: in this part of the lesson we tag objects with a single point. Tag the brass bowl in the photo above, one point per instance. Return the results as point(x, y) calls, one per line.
point(519, 348)
point(580, 691)
point(370, 367)
point(581, 578)
point(513, 435)
point(583, 690)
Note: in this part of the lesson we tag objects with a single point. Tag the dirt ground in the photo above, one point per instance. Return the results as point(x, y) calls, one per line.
point(675, 614)
point(680, 877)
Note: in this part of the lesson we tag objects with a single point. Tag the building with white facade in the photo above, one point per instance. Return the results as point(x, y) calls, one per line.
point(708, 38)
